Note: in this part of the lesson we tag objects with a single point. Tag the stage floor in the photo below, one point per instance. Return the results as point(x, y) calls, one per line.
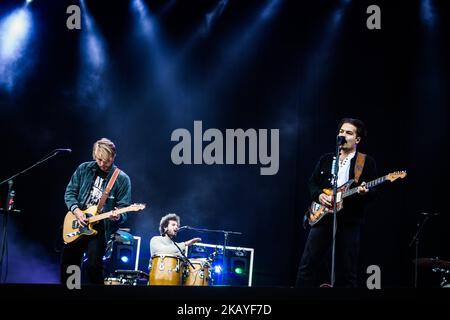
point(214, 293)
point(220, 302)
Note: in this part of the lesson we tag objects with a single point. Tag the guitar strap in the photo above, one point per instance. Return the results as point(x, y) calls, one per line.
point(105, 195)
point(359, 165)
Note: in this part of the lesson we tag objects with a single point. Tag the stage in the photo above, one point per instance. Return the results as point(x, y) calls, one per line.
point(217, 295)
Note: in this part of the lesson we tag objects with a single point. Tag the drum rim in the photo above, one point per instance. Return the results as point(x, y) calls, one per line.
point(165, 255)
point(108, 279)
point(198, 259)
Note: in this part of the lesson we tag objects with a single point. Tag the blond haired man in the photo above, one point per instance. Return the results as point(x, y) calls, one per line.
point(84, 190)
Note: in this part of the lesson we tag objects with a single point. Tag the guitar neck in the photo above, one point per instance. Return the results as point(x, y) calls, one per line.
point(369, 185)
point(107, 214)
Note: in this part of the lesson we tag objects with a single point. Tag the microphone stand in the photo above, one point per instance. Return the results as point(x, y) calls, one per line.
point(186, 260)
point(9, 207)
point(45, 158)
point(415, 240)
point(334, 169)
point(225, 242)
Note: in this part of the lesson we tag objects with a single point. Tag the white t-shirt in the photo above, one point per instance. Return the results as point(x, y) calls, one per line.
point(344, 169)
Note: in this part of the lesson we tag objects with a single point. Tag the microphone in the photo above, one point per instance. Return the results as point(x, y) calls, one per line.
point(340, 140)
point(430, 214)
point(183, 227)
point(64, 150)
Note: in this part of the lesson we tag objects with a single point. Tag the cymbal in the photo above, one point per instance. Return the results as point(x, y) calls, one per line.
point(433, 263)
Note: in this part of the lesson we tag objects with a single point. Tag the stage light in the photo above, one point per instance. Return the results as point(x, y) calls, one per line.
point(29, 1)
point(217, 269)
point(239, 266)
point(92, 82)
point(125, 252)
point(427, 13)
point(15, 33)
point(270, 8)
point(238, 270)
point(143, 18)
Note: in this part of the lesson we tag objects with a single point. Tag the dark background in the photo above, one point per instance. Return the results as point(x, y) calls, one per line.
point(299, 68)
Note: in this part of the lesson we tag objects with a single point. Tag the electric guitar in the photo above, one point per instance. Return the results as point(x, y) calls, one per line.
point(73, 230)
point(317, 211)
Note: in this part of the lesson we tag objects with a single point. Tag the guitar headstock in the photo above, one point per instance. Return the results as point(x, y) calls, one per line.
point(136, 207)
point(396, 175)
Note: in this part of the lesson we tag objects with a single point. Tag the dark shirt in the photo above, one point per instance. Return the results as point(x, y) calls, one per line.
point(354, 205)
point(79, 191)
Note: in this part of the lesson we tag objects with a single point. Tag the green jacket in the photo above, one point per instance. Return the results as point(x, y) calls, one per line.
point(80, 185)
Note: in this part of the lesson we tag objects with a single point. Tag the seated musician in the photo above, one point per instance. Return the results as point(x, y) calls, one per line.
point(163, 244)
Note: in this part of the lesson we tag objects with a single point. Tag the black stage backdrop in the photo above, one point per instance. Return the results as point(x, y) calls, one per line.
point(296, 66)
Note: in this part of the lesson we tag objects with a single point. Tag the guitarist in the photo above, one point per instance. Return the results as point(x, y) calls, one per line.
point(349, 219)
point(85, 189)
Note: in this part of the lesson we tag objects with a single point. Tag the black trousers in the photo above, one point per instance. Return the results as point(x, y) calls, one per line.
point(94, 247)
point(317, 253)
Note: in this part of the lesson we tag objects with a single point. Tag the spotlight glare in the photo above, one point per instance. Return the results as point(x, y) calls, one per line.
point(14, 32)
point(124, 259)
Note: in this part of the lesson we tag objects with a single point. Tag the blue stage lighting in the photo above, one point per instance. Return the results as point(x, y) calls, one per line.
point(427, 13)
point(125, 252)
point(15, 32)
point(217, 269)
point(270, 9)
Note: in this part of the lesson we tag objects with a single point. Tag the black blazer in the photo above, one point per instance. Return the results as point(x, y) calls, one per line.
point(354, 205)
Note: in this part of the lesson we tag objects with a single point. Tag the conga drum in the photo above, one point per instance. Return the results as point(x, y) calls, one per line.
point(166, 270)
point(199, 275)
